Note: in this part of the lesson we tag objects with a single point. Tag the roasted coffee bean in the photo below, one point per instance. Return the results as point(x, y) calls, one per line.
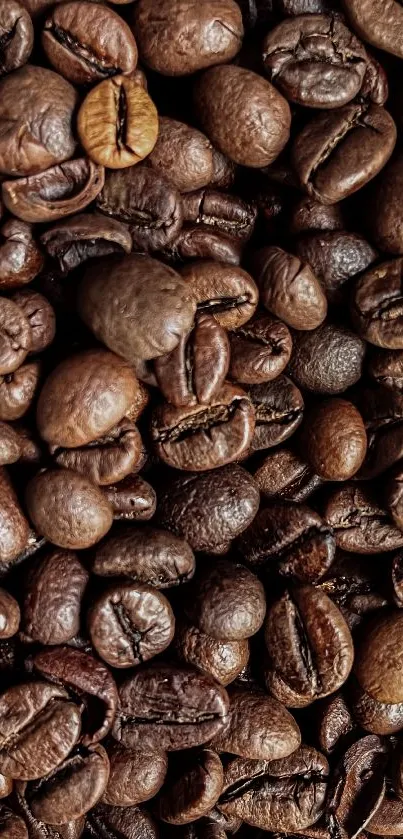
point(176, 39)
point(10, 444)
point(41, 318)
point(53, 598)
point(157, 313)
point(39, 727)
point(118, 453)
point(382, 412)
point(385, 210)
point(259, 727)
point(359, 524)
point(14, 528)
point(223, 660)
point(75, 240)
point(309, 215)
point(117, 123)
point(355, 583)
point(279, 409)
point(387, 369)
point(289, 540)
point(130, 822)
point(18, 389)
point(252, 127)
point(20, 258)
point(279, 795)
point(198, 241)
point(183, 154)
point(226, 601)
point(168, 707)
point(224, 170)
point(194, 372)
point(67, 508)
point(337, 153)
point(58, 192)
point(15, 336)
point(9, 615)
point(310, 649)
point(17, 36)
point(327, 360)
point(335, 724)
point(260, 350)
point(284, 476)
point(88, 43)
point(221, 212)
point(381, 27)
point(371, 714)
point(315, 61)
point(192, 790)
point(145, 555)
point(358, 777)
point(82, 675)
point(132, 499)
point(376, 305)
point(130, 623)
point(388, 816)
point(377, 667)
point(226, 292)
point(144, 199)
point(203, 437)
point(335, 256)
point(134, 776)
point(289, 289)
point(333, 439)
point(84, 397)
point(12, 826)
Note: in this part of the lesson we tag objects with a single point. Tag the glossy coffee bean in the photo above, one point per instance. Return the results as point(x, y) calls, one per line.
point(387, 369)
point(289, 540)
point(20, 257)
point(68, 509)
point(15, 336)
point(41, 318)
point(335, 256)
point(285, 476)
point(260, 350)
point(226, 292)
point(333, 439)
point(17, 390)
point(132, 499)
point(359, 776)
point(359, 523)
point(110, 458)
point(372, 715)
point(145, 555)
point(289, 289)
point(335, 724)
point(315, 61)
point(183, 154)
point(309, 215)
point(381, 411)
point(9, 615)
point(198, 241)
point(278, 408)
point(222, 212)
point(377, 669)
point(309, 646)
point(74, 240)
point(169, 707)
point(193, 790)
point(86, 43)
point(380, 27)
point(354, 583)
point(117, 123)
point(227, 602)
point(10, 444)
point(134, 776)
point(17, 36)
point(327, 360)
point(53, 598)
point(223, 660)
point(385, 212)
point(252, 127)
point(14, 528)
point(375, 305)
point(131, 822)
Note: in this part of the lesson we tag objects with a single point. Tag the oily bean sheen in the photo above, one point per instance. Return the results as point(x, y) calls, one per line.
point(168, 707)
point(278, 409)
point(20, 257)
point(17, 36)
point(15, 336)
point(88, 43)
point(224, 213)
point(260, 350)
point(359, 523)
point(372, 715)
point(333, 439)
point(376, 305)
point(18, 389)
point(226, 292)
point(131, 499)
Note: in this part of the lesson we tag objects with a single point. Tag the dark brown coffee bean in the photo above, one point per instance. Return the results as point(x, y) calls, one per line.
point(382, 412)
point(72, 789)
point(75, 240)
point(175, 39)
point(260, 350)
point(381, 27)
point(146, 200)
point(41, 318)
point(14, 528)
point(327, 360)
point(309, 645)
point(224, 170)
point(360, 525)
point(385, 209)
point(11, 825)
point(388, 817)
point(290, 540)
point(117, 123)
point(378, 665)
point(130, 822)
point(17, 390)
point(387, 369)
point(17, 36)
point(335, 256)
point(87, 43)
point(221, 212)
point(355, 584)
point(284, 476)
point(132, 499)
point(201, 437)
point(9, 615)
point(192, 790)
point(39, 727)
point(157, 313)
point(358, 780)
point(84, 397)
point(15, 336)
point(315, 61)
point(226, 601)
point(53, 598)
point(226, 500)
point(194, 372)
point(80, 674)
point(278, 795)
point(335, 723)
point(309, 214)
point(134, 776)
point(226, 292)
point(197, 241)
point(289, 289)
point(223, 660)
point(68, 509)
point(60, 191)
point(337, 153)
point(371, 714)
point(376, 305)
point(183, 155)
point(10, 444)
point(118, 453)
point(130, 623)
point(278, 408)
point(259, 727)
point(20, 258)
point(252, 127)
point(168, 707)
point(145, 555)
point(333, 439)
point(36, 112)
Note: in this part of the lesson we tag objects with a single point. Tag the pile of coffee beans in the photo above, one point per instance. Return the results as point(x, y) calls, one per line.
point(201, 419)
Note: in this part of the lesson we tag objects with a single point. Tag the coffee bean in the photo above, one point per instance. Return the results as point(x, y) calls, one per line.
point(309, 215)
point(10, 444)
point(20, 258)
point(130, 822)
point(53, 598)
point(183, 154)
point(18, 389)
point(75, 240)
point(227, 602)
point(359, 524)
point(283, 475)
point(111, 458)
point(15, 336)
point(11, 825)
point(223, 660)
point(289, 289)
point(335, 724)
point(134, 776)
point(14, 528)
point(279, 412)
point(221, 212)
point(376, 303)
point(327, 360)
point(380, 27)
point(132, 499)
point(41, 318)
point(17, 36)
point(333, 439)
point(372, 715)
point(260, 350)
point(387, 369)
point(145, 555)
point(228, 293)
point(193, 790)
point(335, 256)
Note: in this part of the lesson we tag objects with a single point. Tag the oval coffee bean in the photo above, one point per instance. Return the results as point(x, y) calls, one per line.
point(223, 660)
point(372, 715)
point(17, 36)
point(183, 154)
point(131, 499)
point(75, 240)
point(10, 444)
point(18, 389)
point(20, 257)
point(145, 555)
point(14, 528)
point(359, 524)
point(226, 601)
point(333, 439)
point(15, 336)
point(134, 776)
point(335, 724)
point(193, 790)
point(226, 292)
point(376, 305)
point(378, 667)
point(41, 318)
point(329, 359)
point(260, 350)
point(52, 602)
point(380, 26)
point(130, 822)
point(9, 615)
point(284, 476)
point(335, 256)
point(289, 289)
point(111, 458)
